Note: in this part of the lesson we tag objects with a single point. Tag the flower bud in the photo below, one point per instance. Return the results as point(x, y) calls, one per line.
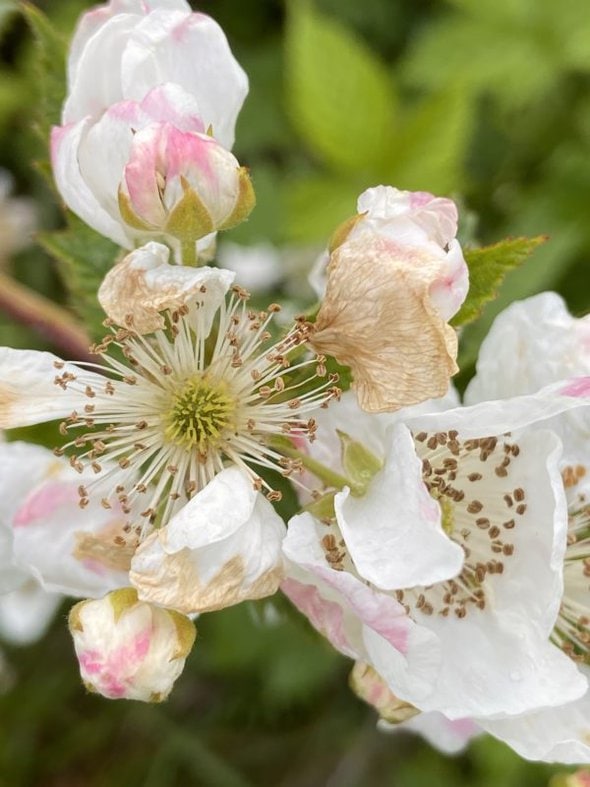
point(183, 184)
point(369, 686)
point(129, 649)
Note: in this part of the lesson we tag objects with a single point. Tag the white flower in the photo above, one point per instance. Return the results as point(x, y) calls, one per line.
point(147, 168)
point(187, 400)
point(469, 546)
point(395, 276)
point(128, 649)
point(533, 343)
point(135, 46)
point(223, 547)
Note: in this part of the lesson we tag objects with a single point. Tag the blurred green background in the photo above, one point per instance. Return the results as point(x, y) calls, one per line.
point(484, 100)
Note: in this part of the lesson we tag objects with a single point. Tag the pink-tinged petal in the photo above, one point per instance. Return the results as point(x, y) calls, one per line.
point(28, 392)
point(579, 387)
point(44, 501)
point(80, 197)
point(171, 104)
point(394, 531)
point(371, 620)
point(531, 344)
point(449, 292)
point(414, 217)
point(48, 526)
point(326, 616)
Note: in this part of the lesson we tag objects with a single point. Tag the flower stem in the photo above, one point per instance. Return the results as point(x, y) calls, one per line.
point(50, 321)
point(329, 477)
point(188, 253)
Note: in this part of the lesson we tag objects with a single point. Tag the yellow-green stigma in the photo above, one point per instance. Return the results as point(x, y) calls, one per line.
point(202, 412)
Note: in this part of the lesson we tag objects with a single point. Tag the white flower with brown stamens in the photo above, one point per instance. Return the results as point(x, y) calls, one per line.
point(499, 502)
point(395, 276)
point(163, 413)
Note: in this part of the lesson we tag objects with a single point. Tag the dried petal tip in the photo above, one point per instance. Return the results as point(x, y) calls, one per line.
point(378, 317)
point(138, 289)
point(128, 649)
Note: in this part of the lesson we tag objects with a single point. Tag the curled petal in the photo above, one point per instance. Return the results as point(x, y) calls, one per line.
point(378, 318)
point(394, 531)
point(223, 547)
point(411, 216)
point(136, 290)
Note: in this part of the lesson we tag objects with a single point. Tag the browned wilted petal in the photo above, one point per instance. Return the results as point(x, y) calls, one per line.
point(137, 289)
point(377, 317)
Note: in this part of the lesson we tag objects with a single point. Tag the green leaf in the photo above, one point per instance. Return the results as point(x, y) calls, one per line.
point(430, 149)
point(84, 258)
point(51, 68)
point(339, 94)
point(487, 268)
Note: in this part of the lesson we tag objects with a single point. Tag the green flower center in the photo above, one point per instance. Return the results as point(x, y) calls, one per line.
point(201, 414)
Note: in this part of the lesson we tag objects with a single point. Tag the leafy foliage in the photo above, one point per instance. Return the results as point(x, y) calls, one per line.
point(487, 268)
point(340, 96)
point(51, 67)
point(84, 257)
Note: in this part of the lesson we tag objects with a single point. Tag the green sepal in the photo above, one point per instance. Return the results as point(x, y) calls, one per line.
point(360, 465)
point(121, 600)
point(74, 621)
point(189, 219)
point(245, 202)
point(129, 216)
point(186, 633)
point(323, 507)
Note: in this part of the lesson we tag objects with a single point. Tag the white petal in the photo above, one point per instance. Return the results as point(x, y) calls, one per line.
point(394, 531)
point(28, 393)
point(95, 80)
point(224, 546)
point(496, 671)
point(45, 528)
point(531, 344)
point(498, 417)
point(25, 614)
point(66, 143)
point(22, 466)
point(449, 737)
point(552, 735)
point(358, 620)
